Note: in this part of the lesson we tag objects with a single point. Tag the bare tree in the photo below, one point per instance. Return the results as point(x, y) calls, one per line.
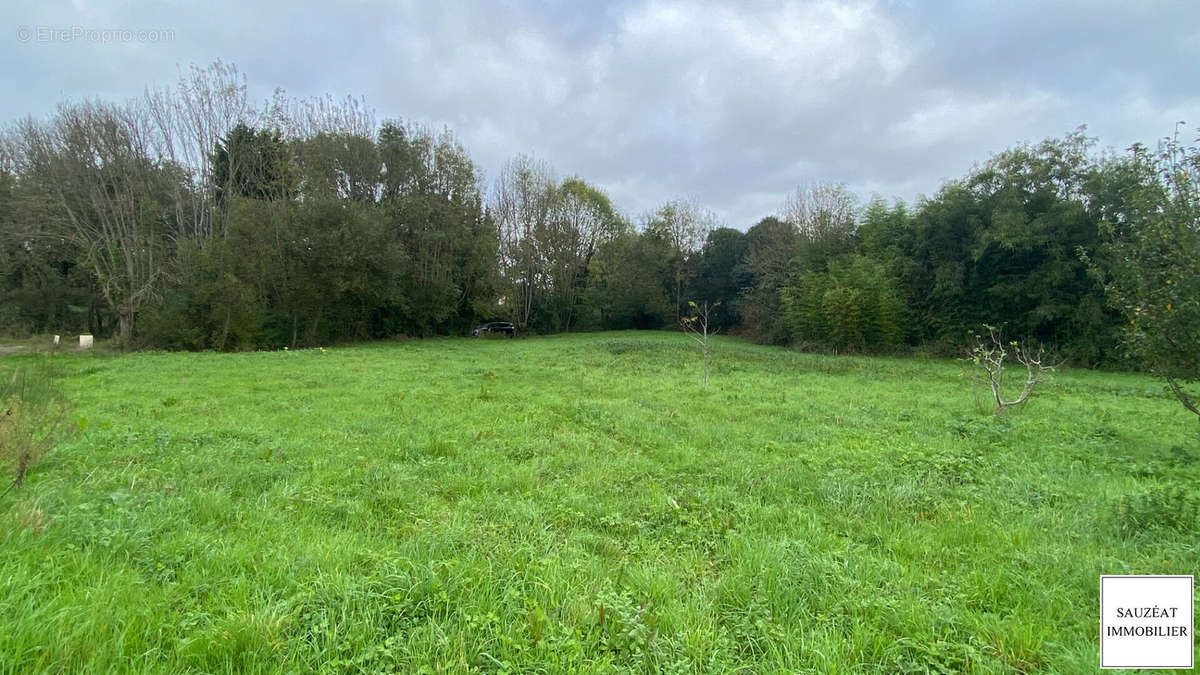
point(521, 206)
point(697, 325)
point(298, 118)
point(109, 194)
point(188, 121)
point(825, 217)
point(685, 225)
point(11, 158)
point(988, 356)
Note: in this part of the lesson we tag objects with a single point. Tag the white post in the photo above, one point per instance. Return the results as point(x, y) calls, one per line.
point(85, 341)
point(55, 340)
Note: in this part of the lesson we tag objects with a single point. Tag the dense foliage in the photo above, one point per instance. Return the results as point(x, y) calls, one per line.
point(1151, 262)
point(189, 220)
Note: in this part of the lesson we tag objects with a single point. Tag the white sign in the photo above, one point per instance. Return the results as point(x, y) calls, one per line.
point(85, 341)
point(1146, 621)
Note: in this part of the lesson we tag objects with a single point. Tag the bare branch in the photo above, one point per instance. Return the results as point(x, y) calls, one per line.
point(988, 355)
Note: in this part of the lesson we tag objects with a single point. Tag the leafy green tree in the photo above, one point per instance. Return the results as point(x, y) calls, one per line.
point(225, 292)
point(684, 225)
point(945, 294)
point(855, 305)
point(210, 301)
point(1028, 255)
point(42, 287)
point(581, 219)
point(433, 203)
point(1152, 263)
point(721, 276)
point(255, 164)
point(629, 280)
point(549, 234)
point(523, 201)
point(770, 246)
point(339, 166)
point(350, 266)
point(885, 233)
point(1002, 243)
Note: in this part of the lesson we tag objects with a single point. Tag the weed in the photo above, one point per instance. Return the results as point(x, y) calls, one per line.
point(1173, 509)
point(33, 417)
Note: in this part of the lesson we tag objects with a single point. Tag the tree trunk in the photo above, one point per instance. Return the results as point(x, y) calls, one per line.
point(125, 325)
point(312, 329)
point(224, 331)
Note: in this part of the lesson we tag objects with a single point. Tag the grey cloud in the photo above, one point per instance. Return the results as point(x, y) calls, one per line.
point(733, 105)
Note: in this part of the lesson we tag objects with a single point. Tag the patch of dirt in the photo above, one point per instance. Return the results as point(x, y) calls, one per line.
point(16, 349)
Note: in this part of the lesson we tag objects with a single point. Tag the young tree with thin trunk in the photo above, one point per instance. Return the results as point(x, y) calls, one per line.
point(698, 324)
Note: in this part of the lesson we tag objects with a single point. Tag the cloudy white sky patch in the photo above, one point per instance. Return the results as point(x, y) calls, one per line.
point(733, 104)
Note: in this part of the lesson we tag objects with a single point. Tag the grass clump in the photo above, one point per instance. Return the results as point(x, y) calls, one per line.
point(1171, 508)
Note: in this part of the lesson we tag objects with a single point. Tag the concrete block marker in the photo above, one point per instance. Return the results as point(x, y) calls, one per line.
point(85, 341)
point(1146, 621)
point(56, 340)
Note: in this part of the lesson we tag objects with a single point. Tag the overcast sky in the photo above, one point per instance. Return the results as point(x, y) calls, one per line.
point(732, 104)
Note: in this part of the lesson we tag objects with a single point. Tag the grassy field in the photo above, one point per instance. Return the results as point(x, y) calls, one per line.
point(578, 503)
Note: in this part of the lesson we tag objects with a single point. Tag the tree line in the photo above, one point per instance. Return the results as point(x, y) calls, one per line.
point(190, 219)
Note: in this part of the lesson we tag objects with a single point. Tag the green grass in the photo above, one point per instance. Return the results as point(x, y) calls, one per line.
point(578, 503)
